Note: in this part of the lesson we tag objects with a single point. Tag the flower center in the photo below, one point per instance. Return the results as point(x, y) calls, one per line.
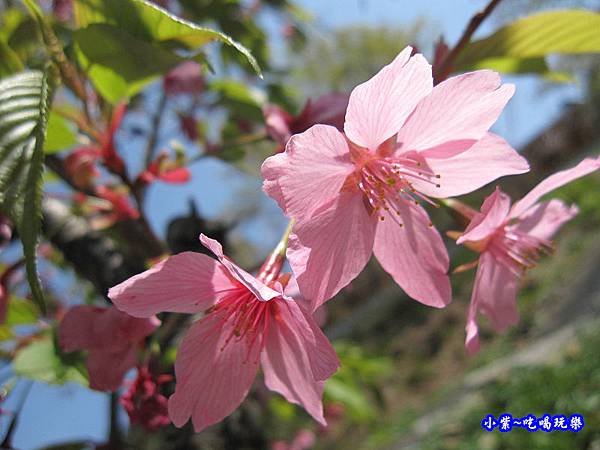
point(517, 250)
point(386, 183)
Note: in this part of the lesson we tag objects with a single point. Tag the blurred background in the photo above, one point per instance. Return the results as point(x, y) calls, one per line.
point(406, 381)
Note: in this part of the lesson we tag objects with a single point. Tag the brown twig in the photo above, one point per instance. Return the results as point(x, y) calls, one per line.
point(444, 69)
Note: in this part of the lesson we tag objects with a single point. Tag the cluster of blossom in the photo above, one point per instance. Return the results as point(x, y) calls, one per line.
point(547, 423)
point(350, 190)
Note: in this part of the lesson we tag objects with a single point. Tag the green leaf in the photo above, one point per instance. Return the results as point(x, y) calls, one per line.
point(123, 64)
point(522, 65)
point(151, 23)
point(353, 397)
point(24, 106)
point(60, 136)
point(241, 99)
point(9, 60)
point(139, 41)
point(563, 31)
point(41, 360)
point(5, 333)
point(21, 312)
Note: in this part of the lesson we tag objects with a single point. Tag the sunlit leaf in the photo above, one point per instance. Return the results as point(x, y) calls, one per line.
point(24, 106)
point(41, 361)
point(5, 333)
point(552, 32)
point(21, 312)
point(59, 136)
point(9, 60)
point(123, 64)
point(150, 23)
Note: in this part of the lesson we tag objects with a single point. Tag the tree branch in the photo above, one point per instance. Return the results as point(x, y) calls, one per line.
point(444, 69)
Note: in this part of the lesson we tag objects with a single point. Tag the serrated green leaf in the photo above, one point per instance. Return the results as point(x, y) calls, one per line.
point(24, 105)
point(123, 64)
point(553, 32)
point(41, 361)
point(152, 24)
point(60, 136)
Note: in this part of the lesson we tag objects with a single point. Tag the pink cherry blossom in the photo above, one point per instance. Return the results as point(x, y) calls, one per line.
point(357, 193)
point(165, 169)
point(511, 240)
point(186, 78)
point(144, 403)
point(328, 109)
point(81, 166)
point(250, 319)
point(111, 339)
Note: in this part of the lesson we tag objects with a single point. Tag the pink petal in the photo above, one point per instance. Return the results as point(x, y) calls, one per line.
point(86, 327)
point(461, 108)
point(214, 372)
point(379, 106)
point(277, 122)
point(329, 251)
point(414, 255)
point(312, 170)
point(485, 161)
point(495, 292)
point(494, 211)
point(472, 330)
point(544, 219)
point(260, 290)
point(328, 109)
point(107, 369)
point(295, 361)
point(177, 175)
point(188, 283)
point(555, 181)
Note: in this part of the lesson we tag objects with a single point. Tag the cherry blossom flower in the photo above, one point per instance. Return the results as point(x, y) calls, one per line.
point(510, 241)
point(111, 338)
point(62, 9)
point(121, 208)
point(5, 231)
point(164, 169)
point(186, 78)
point(144, 403)
point(81, 166)
point(110, 157)
point(329, 109)
point(250, 319)
point(304, 440)
point(357, 193)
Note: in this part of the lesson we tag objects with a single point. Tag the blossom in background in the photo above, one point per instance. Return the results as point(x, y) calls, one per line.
point(329, 109)
point(304, 440)
point(111, 337)
point(186, 78)
point(250, 319)
point(5, 231)
point(5, 278)
point(356, 193)
point(62, 9)
point(108, 151)
point(120, 205)
point(165, 169)
point(80, 165)
point(510, 241)
point(144, 403)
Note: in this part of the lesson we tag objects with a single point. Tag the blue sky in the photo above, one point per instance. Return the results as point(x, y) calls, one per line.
point(58, 414)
